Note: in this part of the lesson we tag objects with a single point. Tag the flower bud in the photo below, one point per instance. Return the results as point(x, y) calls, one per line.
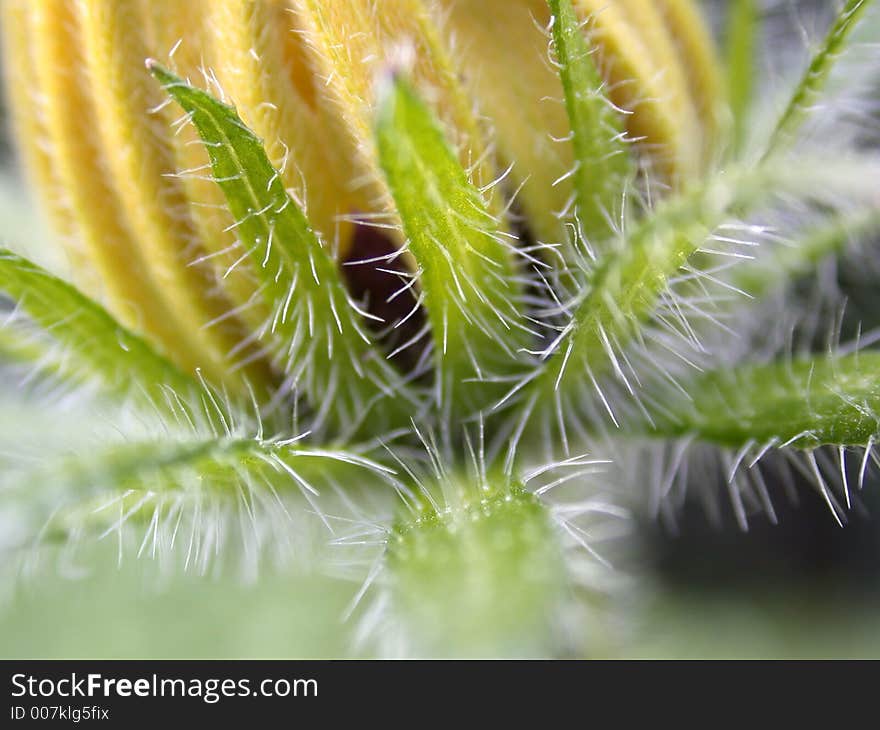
point(128, 184)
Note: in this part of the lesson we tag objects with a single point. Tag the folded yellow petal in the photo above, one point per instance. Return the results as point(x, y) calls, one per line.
point(351, 43)
point(646, 78)
point(27, 108)
point(79, 161)
point(258, 54)
point(700, 62)
point(178, 34)
point(142, 169)
point(658, 60)
point(502, 51)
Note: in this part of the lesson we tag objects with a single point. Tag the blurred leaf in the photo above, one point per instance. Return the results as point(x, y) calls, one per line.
point(484, 577)
point(157, 482)
point(91, 607)
point(787, 263)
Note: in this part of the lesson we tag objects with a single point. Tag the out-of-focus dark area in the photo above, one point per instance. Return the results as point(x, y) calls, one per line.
point(804, 586)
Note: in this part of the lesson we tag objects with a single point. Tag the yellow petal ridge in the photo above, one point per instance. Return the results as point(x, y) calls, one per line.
point(178, 35)
point(262, 66)
point(352, 43)
point(699, 58)
point(80, 164)
point(142, 169)
point(502, 50)
point(27, 109)
point(646, 78)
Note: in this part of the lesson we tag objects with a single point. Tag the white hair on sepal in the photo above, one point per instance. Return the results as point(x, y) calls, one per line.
point(704, 319)
point(590, 522)
point(656, 478)
point(847, 114)
point(167, 514)
point(701, 301)
point(836, 473)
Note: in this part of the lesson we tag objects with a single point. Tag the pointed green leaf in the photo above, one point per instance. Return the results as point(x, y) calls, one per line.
point(315, 331)
point(86, 343)
point(624, 292)
point(629, 281)
point(468, 273)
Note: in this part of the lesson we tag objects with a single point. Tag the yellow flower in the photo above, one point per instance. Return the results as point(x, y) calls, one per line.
point(133, 202)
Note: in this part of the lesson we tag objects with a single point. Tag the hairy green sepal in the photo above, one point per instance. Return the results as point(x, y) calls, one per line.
point(485, 575)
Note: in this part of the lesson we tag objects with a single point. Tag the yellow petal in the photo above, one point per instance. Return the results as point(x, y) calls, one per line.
point(646, 78)
point(79, 162)
point(502, 50)
point(700, 61)
point(28, 111)
point(350, 43)
point(142, 169)
point(178, 34)
point(258, 55)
